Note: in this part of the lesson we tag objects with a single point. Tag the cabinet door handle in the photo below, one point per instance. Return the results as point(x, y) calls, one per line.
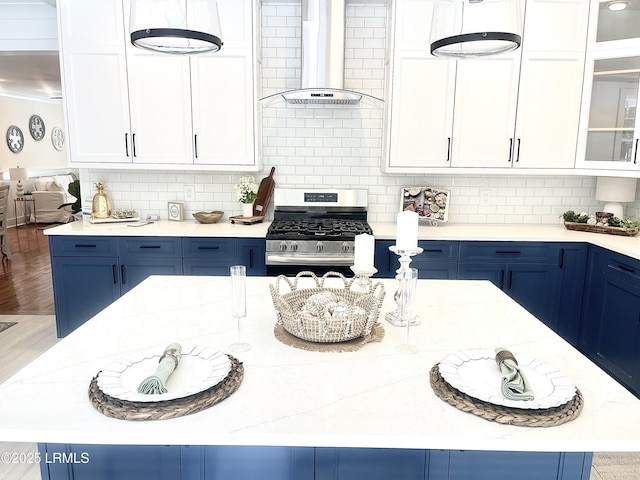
point(85, 245)
point(208, 247)
point(114, 272)
point(508, 252)
point(510, 150)
point(149, 246)
point(195, 145)
point(510, 282)
point(126, 143)
point(133, 144)
point(432, 250)
point(635, 153)
point(518, 151)
point(448, 149)
point(251, 258)
point(626, 269)
point(501, 279)
point(561, 258)
point(122, 271)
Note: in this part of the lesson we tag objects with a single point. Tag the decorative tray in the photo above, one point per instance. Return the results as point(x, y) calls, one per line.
point(246, 220)
point(200, 368)
point(475, 373)
point(117, 217)
point(585, 227)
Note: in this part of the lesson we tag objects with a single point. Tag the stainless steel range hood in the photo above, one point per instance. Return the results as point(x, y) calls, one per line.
point(322, 62)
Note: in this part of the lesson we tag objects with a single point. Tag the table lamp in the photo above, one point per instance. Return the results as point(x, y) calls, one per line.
point(20, 175)
point(614, 191)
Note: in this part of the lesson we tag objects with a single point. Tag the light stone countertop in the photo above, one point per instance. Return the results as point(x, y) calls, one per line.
point(374, 397)
point(382, 231)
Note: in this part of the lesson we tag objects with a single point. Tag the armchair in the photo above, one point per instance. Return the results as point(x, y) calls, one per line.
point(48, 194)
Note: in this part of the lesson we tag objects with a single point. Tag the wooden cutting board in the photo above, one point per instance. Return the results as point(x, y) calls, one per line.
point(265, 190)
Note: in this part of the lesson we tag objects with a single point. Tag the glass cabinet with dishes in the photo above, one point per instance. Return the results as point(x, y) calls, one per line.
point(609, 130)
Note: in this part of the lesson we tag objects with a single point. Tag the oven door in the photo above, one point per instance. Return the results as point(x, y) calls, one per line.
point(290, 265)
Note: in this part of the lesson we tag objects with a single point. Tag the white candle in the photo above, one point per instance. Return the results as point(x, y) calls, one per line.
point(407, 231)
point(363, 253)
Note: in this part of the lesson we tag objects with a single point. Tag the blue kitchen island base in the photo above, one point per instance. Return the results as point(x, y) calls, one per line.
point(152, 462)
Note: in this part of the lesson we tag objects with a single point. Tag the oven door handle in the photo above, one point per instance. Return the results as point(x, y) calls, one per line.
point(308, 260)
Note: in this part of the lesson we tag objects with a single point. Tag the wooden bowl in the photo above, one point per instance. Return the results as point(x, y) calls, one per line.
point(208, 217)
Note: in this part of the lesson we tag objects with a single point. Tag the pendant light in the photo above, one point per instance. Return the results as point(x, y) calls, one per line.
point(175, 26)
point(475, 28)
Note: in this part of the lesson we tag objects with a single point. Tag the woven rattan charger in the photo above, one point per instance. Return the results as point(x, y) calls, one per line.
point(548, 417)
point(127, 410)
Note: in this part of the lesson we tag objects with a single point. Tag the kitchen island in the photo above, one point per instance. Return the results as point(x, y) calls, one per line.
point(310, 411)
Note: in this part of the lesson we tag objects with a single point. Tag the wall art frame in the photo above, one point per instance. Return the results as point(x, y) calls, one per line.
point(431, 203)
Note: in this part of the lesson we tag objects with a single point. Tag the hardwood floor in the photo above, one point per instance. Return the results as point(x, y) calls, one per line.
point(26, 297)
point(25, 280)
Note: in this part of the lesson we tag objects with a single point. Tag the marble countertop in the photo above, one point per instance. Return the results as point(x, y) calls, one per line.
point(382, 231)
point(375, 397)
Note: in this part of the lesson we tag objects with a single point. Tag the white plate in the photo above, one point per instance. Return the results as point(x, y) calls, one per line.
point(200, 368)
point(476, 373)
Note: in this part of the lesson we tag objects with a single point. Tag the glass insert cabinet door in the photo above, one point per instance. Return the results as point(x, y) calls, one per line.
point(618, 20)
point(613, 130)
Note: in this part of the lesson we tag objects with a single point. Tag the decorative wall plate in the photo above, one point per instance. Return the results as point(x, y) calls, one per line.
point(57, 138)
point(36, 127)
point(15, 139)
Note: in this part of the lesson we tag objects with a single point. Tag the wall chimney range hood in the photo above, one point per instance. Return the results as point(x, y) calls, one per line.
point(322, 62)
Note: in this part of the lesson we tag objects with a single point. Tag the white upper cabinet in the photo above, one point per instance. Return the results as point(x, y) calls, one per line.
point(518, 110)
point(422, 95)
point(550, 91)
point(182, 111)
point(225, 136)
point(94, 81)
point(609, 129)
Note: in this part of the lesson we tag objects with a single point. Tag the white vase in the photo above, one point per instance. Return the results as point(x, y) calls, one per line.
point(247, 209)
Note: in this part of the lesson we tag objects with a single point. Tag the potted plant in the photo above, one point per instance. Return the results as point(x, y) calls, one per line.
point(246, 192)
point(74, 189)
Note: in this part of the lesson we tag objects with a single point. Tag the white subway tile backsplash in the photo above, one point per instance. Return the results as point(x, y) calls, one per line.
point(342, 146)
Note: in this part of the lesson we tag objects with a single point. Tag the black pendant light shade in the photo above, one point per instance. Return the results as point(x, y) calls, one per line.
point(175, 26)
point(475, 28)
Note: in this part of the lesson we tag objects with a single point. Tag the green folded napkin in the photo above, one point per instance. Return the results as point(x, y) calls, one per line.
point(514, 383)
point(168, 362)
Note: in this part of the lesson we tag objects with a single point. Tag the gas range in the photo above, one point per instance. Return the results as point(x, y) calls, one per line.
point(315, 228)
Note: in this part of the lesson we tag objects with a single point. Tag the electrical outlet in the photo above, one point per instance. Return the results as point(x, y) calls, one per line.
point(485, 197)
point(154, 217)
point(189, 193)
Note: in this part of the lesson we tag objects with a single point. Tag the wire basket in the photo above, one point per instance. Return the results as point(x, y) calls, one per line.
point(327, 315)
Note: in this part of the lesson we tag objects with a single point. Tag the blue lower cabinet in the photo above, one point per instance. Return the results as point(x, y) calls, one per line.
point(532, 285)
point(214, 256)
point(250, 252)
point(251, 462)
point(122, 462)
point(437, 261)
point(371, 464)
point(135, 270)
point(482, 465)
point(109, 462)
point(82, 286)
point(565, 320)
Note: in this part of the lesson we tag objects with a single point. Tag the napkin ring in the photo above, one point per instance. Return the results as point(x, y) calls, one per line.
point(173, 353)
point(503, 355)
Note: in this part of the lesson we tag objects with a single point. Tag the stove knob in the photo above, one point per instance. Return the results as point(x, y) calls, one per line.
point(346, 247)
point(319, 246)
point(283, 245)
point(294, 246)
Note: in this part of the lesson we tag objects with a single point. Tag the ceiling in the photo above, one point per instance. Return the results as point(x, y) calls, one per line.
point(27, 73)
